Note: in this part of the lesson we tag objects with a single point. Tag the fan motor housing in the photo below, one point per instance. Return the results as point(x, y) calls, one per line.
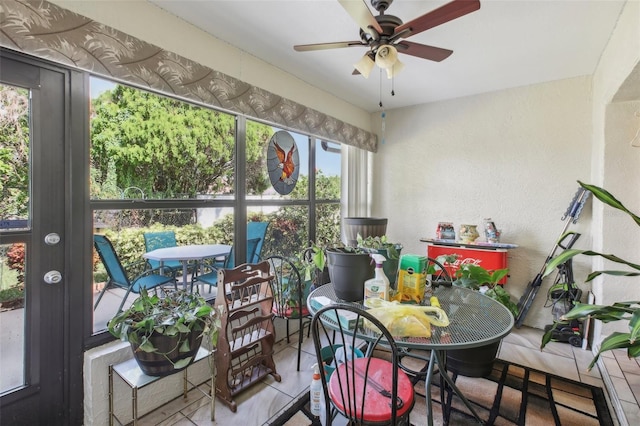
point(381, 5)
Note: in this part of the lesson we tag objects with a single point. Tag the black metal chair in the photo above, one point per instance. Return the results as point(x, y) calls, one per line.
point(132, 277)
point(370, 390)
point(288, 296)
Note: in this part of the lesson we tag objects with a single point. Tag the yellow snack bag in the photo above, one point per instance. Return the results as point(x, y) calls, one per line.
point(406, 320)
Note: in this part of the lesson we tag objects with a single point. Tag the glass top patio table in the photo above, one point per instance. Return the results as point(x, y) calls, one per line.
point(475, 320)
point(184, 254)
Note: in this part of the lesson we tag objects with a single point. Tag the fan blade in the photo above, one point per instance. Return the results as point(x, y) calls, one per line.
point(324, 46)
point(423, 51)
point(362, 15)
point(446, 13)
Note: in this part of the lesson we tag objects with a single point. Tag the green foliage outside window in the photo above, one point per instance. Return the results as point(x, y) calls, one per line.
point(167, 147)
point(14, 152)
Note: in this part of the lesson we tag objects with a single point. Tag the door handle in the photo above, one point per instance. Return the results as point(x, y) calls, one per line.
point(52, 277)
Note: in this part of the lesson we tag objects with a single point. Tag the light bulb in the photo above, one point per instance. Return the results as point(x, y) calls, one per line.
point(386, 56)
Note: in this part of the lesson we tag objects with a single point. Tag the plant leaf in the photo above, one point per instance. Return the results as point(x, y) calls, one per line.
point(607, 198)
point(147, 346)
point(634, 325)
point(603, 313)
point(570, 253)
point(546, 337)
point(182, 363)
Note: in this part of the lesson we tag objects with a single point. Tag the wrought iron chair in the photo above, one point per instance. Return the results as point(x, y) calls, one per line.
point(161, 239)
point(119, 276)
point(289, 302)
point(207, 273)
point(365, 390)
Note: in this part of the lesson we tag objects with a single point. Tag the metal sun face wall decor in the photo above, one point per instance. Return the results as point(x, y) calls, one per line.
point(283, 162)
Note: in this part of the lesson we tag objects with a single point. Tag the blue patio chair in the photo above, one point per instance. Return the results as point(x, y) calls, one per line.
point(119, 276)
point(209, 270)
point(161, 239)
point(255, 230)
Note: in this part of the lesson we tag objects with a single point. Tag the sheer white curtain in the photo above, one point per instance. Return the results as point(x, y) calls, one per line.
point(356, 178)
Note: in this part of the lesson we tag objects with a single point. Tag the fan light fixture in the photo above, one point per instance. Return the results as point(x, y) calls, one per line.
point(386, 58)
point(364, 65)
point(394, 69)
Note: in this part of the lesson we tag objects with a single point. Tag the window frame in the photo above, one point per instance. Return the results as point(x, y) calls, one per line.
point(239, 202)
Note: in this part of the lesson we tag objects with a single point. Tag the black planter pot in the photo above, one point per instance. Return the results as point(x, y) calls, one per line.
point(473, 362)
point(161, 363)
point(348, 272)
point(365, 226)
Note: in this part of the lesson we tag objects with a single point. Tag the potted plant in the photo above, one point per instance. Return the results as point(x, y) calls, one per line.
point(165, 333)
point(619, 311)
point(314, 266)
point(391, 251)
point(478, 362)
point(349, 268)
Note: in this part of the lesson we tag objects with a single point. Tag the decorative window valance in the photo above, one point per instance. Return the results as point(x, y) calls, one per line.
point(48, 31)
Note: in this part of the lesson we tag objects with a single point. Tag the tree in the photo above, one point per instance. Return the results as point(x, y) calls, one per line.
point(14, 152)
point(167, 146)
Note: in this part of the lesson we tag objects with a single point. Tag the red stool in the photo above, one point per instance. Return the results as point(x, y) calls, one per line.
point(377, 407)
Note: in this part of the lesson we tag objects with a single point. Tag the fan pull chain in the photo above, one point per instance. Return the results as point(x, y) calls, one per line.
point(384, 116)
point(380, 91)
point(393, 80)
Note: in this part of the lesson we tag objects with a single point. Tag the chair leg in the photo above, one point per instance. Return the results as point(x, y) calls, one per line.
point(288, 332)
point(104, 289)
point(124, 298)
point(301, 336)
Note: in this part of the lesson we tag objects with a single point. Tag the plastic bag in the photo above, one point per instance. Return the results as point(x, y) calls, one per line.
point(406, 320)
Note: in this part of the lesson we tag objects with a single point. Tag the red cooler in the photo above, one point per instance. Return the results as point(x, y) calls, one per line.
point(488, 257)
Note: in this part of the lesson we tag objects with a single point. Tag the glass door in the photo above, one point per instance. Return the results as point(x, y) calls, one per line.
point(33, 374)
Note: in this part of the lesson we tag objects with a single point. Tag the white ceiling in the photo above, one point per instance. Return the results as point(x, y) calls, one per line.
point(506, 43)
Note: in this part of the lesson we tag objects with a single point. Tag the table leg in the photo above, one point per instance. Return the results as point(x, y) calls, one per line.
point(440, 360)
point(427, 386)
point(184, 274)
point(111, 395)
point(134, 405)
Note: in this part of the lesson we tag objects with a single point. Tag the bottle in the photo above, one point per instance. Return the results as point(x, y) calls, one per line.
point(377, 286)
point(315, 393)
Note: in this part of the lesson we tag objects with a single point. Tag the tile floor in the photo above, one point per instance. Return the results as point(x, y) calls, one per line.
point(261, 404)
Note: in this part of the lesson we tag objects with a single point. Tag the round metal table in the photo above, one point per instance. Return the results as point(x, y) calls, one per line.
point(475, 320)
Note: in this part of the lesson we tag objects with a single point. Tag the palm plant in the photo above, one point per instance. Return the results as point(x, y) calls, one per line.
point(626, 310)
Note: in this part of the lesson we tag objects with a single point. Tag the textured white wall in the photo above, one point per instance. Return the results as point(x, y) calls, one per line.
point(615, 168)
point(512, 155)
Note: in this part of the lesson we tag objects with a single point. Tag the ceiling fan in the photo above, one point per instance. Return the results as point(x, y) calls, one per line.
point(384, 34)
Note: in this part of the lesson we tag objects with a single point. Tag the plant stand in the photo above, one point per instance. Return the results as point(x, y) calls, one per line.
point(132, 375)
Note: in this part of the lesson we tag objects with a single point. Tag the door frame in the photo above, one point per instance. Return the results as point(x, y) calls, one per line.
point(54, 313)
